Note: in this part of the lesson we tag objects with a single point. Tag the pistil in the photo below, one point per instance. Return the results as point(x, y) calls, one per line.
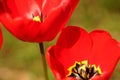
point(83, 71)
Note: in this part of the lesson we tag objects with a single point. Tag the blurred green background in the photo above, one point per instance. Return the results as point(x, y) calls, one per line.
point(22, 61)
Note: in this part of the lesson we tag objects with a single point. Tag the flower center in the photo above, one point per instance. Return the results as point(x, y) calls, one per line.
point(36, 18)
point(39, 18)
point(83, 71)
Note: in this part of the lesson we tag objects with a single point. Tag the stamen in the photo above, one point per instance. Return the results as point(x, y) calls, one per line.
point(83, 71)
point(36, 18)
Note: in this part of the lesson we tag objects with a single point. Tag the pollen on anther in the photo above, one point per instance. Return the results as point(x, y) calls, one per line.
point(83, 70)
point(36, 18)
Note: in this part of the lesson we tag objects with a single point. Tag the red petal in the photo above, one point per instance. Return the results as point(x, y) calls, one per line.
point(49, 5)
point(1, 7)
point(9, 7)
point(119, 51)
point(68, 79)
point(56, 21)
point(104, 76)
point(13, 25)
point(31, 31)
point(99, 38)
point(74, 44)
point(28, 7)
point(104, 51)
point(22, 7)
point(55, 65)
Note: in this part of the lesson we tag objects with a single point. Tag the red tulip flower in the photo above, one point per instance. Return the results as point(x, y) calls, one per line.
point(35, 20)
point(81, 55)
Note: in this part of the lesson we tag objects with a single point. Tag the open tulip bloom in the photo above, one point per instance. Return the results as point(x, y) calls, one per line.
point(35, 20)
point(79, 55)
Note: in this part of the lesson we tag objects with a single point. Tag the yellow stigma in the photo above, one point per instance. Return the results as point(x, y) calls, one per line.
point(36, 18)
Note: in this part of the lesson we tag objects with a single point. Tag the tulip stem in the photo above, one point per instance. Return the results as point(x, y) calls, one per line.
point(43, 60)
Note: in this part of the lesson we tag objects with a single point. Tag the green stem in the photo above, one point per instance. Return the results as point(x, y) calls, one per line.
point(43, 60)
